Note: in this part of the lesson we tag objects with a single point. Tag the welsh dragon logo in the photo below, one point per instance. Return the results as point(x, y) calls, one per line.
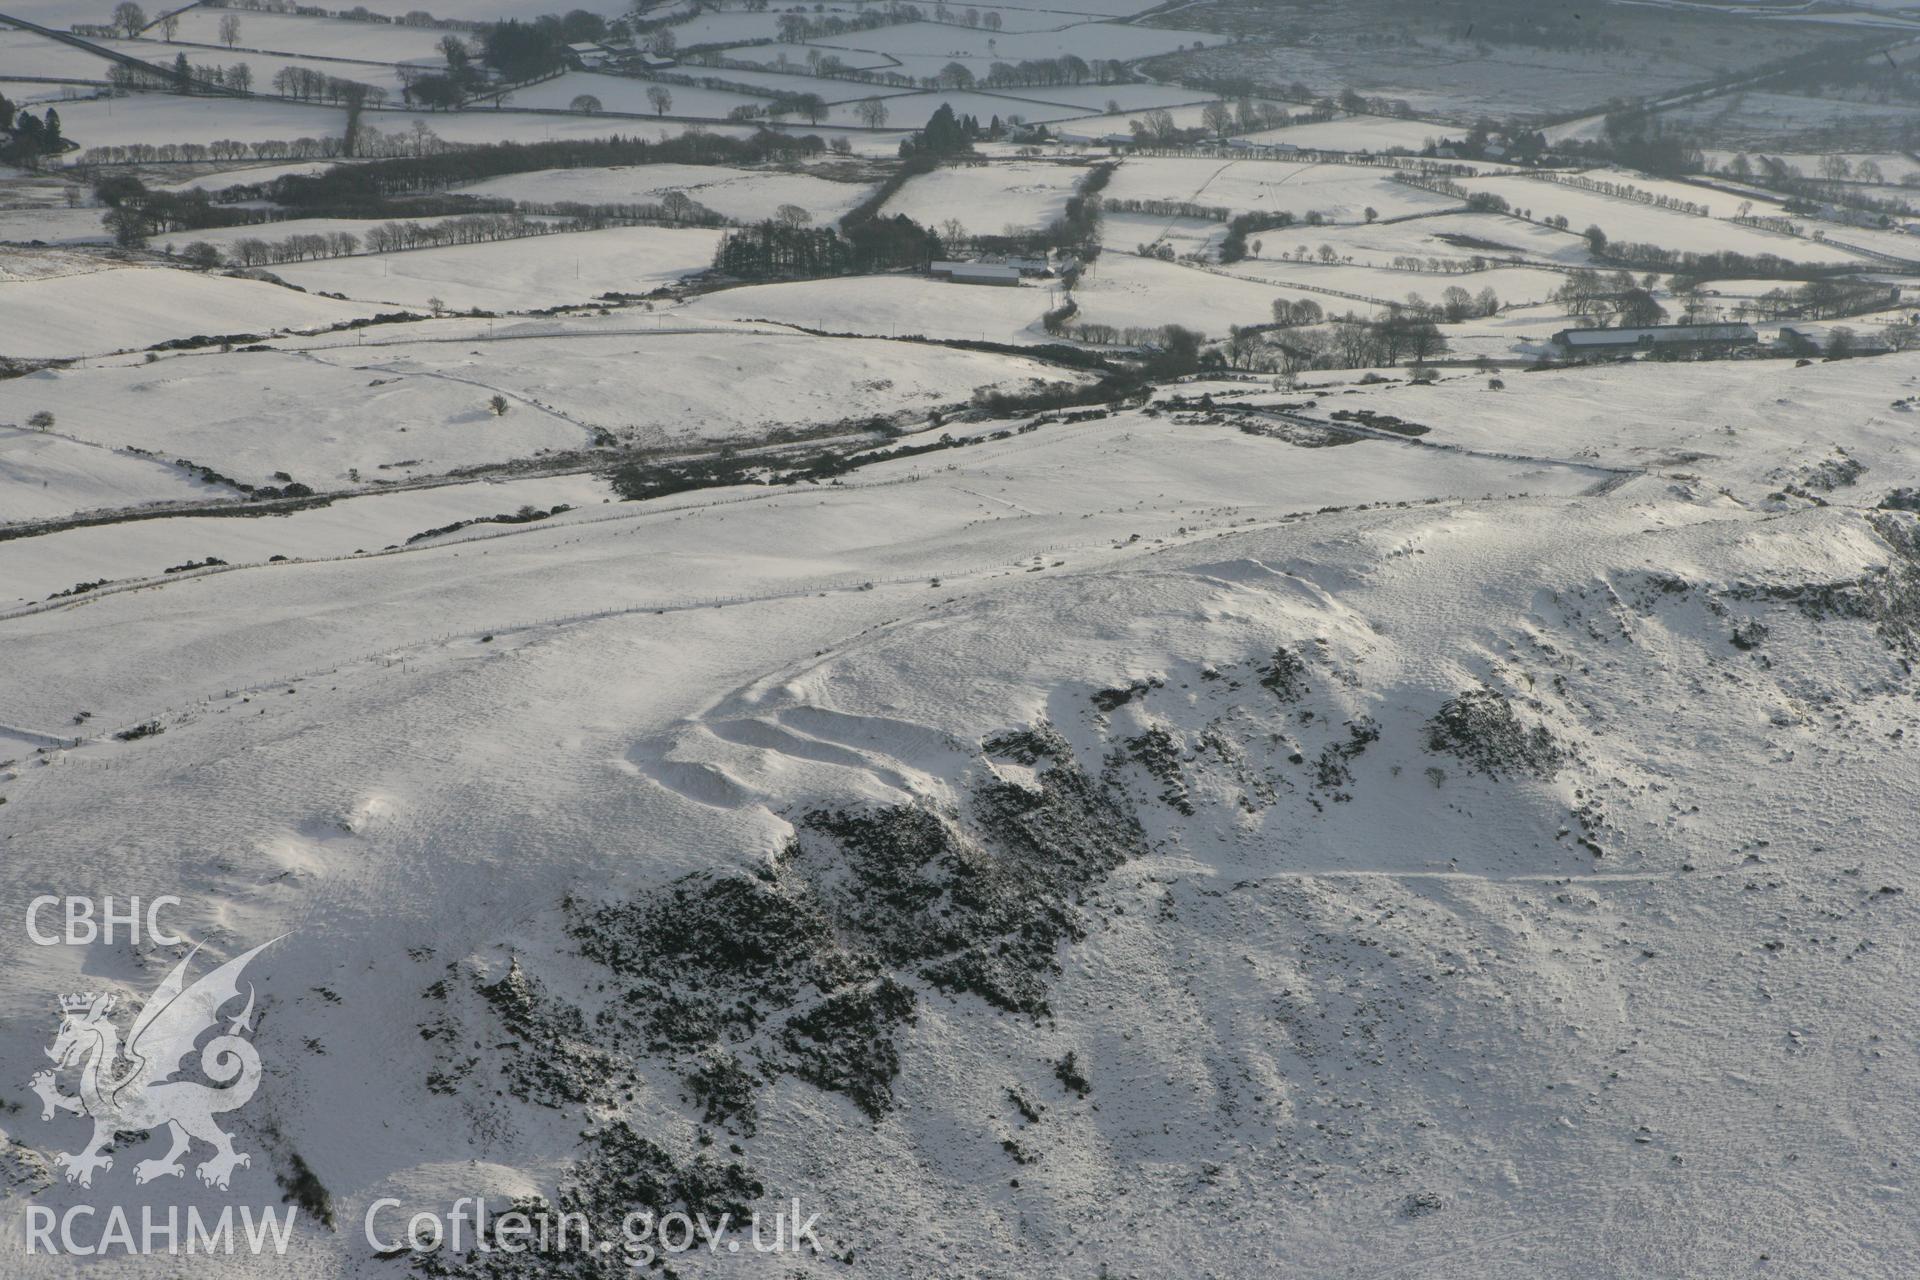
point(134, 1088)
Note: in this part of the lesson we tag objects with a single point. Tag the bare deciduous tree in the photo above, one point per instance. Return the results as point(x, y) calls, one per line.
point(129, 18)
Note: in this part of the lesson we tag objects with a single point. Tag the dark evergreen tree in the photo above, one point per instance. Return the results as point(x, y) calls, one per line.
point(521, 51)
point(945, 135)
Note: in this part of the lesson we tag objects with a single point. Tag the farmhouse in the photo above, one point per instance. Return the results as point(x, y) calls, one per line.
point(977, 273)
point(1684, 337)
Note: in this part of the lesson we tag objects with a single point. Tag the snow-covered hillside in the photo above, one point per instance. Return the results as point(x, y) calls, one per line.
point(1140, 842)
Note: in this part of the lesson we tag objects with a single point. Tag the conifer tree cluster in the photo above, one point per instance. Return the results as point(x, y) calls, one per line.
point(25, 137)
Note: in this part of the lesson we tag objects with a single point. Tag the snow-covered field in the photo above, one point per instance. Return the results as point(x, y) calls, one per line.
point(263, 67)
point(923, 48)
point(672, 384)
point(317, 419)
point(1456, 236)
point(160, 118)
point(1514, 285)
point(540, 271)
point(1015, 195)
point(912, 110)
point(59, 14)
point(1628, 220)
point(39, 94)
point(45, 475)
point(1358, 133)
point(369, 42)
point(248, 176)
point(1191, 116)
point(119, 553)
point(471, 11)
point(1128, 231)
point(772, 82)
point(1342, 193)
point(721, 26)
point(379, 407)
point(224, 238)
point(1893, 166)
point(888, 306)
point(746, 195)
point(1098, 97)
point(795, 56)
point(625, 94)
point(51, 226)
point(102, 311)
point(1133, 292)
point(22, 53)
point(165, 118)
